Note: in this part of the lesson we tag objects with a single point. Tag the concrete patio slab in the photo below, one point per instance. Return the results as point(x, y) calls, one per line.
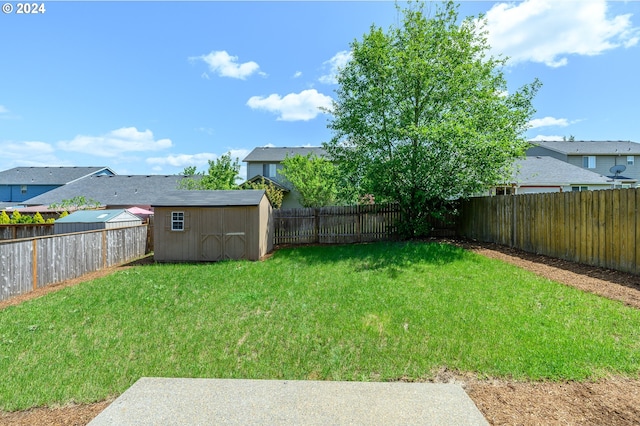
point(166, 401)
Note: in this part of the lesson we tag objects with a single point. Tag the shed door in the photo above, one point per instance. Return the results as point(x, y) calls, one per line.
point(223, 234)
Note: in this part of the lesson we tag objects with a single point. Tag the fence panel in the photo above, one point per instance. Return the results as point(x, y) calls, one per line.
point(25, 230)
point(33, 263)
point(598, 228)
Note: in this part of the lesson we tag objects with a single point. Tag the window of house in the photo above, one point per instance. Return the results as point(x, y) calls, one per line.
point(579, 188)
point(23, 189)
point(269, 170)
point(177, 221)
point(631, 160)
point(589, 162)
point(504, 190)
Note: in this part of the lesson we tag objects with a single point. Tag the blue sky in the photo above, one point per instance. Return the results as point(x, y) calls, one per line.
point(151, 87)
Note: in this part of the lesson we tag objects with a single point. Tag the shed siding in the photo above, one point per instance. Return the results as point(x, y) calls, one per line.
point(214, 233)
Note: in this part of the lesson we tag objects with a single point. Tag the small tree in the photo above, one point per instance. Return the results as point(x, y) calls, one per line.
point(315, 178)
point(76, 203)
point(37, 218)
point(4, 218)
point(274, 194)
point(222, 174)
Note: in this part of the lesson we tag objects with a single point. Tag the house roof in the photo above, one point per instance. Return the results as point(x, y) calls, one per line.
point(48, 175)
point(226, 198)
point(277, 154)
point(98, 216)
point(591, 147)
point(120, 190)
point(545, 171)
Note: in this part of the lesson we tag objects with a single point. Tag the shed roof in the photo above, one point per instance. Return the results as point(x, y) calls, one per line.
point(551, 171)
point(48, 175)
point(591, 147)
point(226, 198)
point(120, 190)
point(98, 216)
point(278, 154)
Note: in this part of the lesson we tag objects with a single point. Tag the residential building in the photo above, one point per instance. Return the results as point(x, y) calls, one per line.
point(267, 161)
point(21, 183)
point(114, 192)
point(618, 160)
point(547, 174)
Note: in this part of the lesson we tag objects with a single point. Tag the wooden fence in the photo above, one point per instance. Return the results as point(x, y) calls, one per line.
point(25, 230)
point(335, 225)
point(28, 264)
point(598, 228)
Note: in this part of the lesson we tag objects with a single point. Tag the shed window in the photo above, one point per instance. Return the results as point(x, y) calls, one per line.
point(177, 221)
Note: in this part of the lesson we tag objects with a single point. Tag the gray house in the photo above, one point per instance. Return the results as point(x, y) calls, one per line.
point(21, 183)
point(596, 156)
point(120, 191)
point(205, 226)
point(90, 220)
point(264, 162)
point(547, 174)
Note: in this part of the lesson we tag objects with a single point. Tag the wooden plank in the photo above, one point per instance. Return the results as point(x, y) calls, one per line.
point(636, 215)
point(602, 227)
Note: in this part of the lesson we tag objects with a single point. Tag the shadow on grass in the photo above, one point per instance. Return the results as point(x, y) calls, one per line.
point(374, 256)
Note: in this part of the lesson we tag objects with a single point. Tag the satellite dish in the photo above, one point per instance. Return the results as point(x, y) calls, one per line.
point(616, 170)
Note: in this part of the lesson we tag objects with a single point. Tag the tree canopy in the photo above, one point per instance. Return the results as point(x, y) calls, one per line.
point(313, 177)
point(222, 174)
point(422, 114)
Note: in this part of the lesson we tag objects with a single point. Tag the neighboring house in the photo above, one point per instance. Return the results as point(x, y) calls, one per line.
point(596, 156)
point(120, 191)
point(195, 226)
point(21, 183)
point(266, 161)
point(90, 220)
point(548, 174)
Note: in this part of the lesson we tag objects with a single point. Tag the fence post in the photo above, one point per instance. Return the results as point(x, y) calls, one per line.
point(34, 265)
point(316, 224)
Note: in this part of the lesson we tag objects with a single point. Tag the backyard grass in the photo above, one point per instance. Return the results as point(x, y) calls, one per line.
point(371, 312)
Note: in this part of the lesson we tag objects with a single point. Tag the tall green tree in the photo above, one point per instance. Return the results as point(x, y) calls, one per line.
point(313, 177)
point(422, 114)
point(222, 174)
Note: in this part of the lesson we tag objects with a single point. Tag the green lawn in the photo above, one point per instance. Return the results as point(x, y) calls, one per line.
point(371, 312)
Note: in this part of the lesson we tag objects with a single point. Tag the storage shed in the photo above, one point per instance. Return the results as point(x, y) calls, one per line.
point(89, 220)
point(202, 226)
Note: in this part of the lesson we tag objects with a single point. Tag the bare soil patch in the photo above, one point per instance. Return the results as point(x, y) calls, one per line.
point(613, 401)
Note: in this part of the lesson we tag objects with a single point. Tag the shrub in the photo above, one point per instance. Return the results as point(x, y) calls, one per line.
point(37, 218)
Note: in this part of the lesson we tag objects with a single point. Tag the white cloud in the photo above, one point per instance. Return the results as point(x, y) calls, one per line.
point(225, 65)
point(182, 160)
point(301, 106)
point(297, 74)
point(548, 138)
point(547, 31)
point(28, 153)
point(116, 142)
point(548, 122)
point(3, 110)
point(200, 161)
point(334, 64)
